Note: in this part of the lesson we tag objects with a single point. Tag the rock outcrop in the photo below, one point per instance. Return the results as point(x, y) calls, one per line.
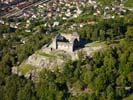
point(43, 62)
point(54, 59)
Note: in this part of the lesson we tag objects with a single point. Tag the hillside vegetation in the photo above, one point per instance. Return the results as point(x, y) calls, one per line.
point(108, 75)
point(129, 3)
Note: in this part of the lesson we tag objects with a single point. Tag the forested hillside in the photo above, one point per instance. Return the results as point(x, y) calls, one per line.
point(108, 75)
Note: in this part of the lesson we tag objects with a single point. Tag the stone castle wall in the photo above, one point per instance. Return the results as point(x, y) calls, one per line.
point(65, 46)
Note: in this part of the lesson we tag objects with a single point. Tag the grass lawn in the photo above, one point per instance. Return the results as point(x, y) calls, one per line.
point(95, 44)
point(46, 54)
point(130, 97)
point(129, 3)
point(25, 68)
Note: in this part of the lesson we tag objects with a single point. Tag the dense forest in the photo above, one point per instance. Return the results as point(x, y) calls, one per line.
point(108, 75)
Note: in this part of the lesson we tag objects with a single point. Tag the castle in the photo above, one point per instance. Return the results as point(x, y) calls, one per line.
point(65, 42)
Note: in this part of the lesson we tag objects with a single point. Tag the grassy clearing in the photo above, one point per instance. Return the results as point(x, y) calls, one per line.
point(25, 68)
point(64, 56)
point(129, 3)
point(130, 97)
point(95, 44)
point(46, 54)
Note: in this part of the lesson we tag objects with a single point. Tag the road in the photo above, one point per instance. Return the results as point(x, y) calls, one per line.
point(20, 11)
